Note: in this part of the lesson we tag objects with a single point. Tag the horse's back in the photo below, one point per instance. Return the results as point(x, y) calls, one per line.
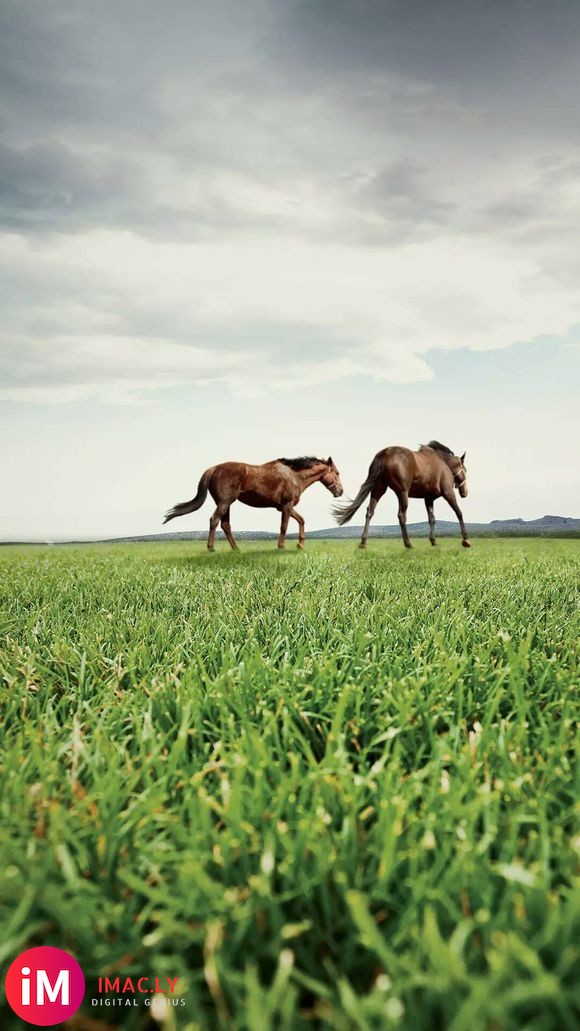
point(398, 465)
point(396, 451)
point(260, 486)
point(397, 457)
point(418, 473)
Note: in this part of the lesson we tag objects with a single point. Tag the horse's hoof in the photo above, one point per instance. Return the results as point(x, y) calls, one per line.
point(300, 546)
point(465, 544)
point(363, 547)
point(433, 544)
point(408, 546)
point(281, 547)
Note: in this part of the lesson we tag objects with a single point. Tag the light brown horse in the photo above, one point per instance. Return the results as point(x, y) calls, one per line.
point(278, 484)
point(431, 472)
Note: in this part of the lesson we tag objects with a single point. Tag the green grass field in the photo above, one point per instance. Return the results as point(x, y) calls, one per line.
point(325, 789)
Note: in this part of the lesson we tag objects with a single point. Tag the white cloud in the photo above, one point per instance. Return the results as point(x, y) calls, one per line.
point(218, 309)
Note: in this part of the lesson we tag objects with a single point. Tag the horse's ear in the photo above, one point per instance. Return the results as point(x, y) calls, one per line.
point(329, 461)
point(463, 456)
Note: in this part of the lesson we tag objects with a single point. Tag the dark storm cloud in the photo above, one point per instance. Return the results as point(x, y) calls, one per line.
point(109, 108)
point(473, 47)
point(48, 186)
point(51, 187)
point(73, 63)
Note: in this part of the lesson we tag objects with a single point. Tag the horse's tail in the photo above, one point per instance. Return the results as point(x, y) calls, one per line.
point(344, 513)
point(185, 507)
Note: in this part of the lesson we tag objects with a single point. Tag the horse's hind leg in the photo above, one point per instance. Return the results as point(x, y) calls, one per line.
point(226, 527)
point(431, 517)
point(286, 513)
point(403, 504)
point(220, 512)
point(378, 491)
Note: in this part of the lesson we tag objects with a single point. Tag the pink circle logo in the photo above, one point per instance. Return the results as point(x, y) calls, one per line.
point(45, 986)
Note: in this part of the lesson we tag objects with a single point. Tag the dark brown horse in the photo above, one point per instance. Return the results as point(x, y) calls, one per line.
point(278, 484)
point(431, 472)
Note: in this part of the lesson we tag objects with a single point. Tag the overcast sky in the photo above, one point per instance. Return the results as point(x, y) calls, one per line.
point(239, 230)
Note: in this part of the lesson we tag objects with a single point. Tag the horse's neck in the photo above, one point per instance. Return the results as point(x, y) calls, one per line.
point(309, 476)
point(441, 455)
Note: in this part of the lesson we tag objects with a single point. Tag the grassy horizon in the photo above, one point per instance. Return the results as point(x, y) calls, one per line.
point(325, 789)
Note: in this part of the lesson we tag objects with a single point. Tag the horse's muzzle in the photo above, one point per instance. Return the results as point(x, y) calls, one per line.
point(337, 491)
point(463, 491)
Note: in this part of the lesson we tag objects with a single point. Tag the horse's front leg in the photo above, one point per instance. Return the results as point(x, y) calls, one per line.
point(286, 513)
point(452, 502)
point(301, 536)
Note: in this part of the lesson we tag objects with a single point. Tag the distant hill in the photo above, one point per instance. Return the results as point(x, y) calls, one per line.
point(546, 526)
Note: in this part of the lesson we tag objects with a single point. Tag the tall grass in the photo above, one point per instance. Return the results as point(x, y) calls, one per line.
point(329, 789)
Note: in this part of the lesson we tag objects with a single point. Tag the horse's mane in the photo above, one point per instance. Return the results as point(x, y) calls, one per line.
point(303, 462)
point(436, 446)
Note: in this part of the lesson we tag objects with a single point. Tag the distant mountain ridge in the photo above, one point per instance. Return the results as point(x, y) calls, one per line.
point(547, 520)
point(545, 526)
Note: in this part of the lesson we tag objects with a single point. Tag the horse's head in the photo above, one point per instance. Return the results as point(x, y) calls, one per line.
point(331, 479)
point(459, 471)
